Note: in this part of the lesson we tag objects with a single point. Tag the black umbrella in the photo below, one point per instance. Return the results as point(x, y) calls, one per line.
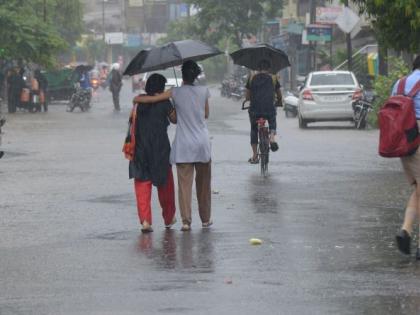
point(251, 57)
point(83, 68)
point(170, 55)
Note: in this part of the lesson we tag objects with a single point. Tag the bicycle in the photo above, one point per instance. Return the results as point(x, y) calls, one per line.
point(263, 148)
point(361, 109)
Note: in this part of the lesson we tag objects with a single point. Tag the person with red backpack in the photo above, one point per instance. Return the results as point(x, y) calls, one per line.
point(410, 86)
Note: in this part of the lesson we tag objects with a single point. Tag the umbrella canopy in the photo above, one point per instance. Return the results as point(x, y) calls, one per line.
point(170, 55)
point(251, 57)
point(83, 68)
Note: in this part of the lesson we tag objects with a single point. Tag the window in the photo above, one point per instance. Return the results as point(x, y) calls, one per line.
point(332, 79)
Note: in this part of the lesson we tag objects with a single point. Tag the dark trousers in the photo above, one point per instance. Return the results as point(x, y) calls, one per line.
point(272, 125)
point(116, 99)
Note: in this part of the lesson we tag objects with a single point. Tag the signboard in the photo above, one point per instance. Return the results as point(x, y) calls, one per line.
point(328, 15)
point(295, 28)
point(114, 38)
point(319, 33)
point(347, 20)
point(133, 40)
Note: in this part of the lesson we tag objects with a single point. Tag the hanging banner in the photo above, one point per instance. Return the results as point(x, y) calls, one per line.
point(328, 15)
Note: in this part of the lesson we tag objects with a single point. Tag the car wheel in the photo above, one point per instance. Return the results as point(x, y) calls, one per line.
point(302, 122)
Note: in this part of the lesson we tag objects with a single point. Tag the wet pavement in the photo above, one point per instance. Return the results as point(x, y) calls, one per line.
point(326, 214)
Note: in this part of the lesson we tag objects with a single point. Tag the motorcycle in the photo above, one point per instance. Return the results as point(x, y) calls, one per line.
point(361, 108)
point(80, 98)
point(234, 87)
point(95, 84)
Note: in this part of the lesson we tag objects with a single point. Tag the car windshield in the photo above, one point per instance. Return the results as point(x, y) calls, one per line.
point(332, 79)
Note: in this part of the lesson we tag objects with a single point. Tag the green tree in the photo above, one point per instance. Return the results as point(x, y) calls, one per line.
point(29, 33)
point(383, 85)
point(233, 19)
point(396, 22)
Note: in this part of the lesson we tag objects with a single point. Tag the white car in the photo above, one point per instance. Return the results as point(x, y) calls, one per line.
point(328, 96)
point(174, 78)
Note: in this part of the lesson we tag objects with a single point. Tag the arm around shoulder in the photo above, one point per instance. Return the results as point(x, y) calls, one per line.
point(153, 99)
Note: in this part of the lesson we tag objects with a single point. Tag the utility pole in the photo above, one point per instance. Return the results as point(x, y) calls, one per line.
point(103, 20)
point(312, 46)
point(349, 48)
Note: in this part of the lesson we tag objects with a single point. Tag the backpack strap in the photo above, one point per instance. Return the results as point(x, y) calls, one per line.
point(401, 86)
point(414, 90)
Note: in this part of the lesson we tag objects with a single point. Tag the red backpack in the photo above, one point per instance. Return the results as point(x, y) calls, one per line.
point(398, 130)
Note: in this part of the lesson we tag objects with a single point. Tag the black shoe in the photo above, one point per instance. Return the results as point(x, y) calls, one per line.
point(274, 146)
point(1, 154)
point(403, 242)
point(418, 254)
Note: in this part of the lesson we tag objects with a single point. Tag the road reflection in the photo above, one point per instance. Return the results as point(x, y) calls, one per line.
point(172, 249)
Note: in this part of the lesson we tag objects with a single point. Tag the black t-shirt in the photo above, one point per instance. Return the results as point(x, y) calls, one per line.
point(262, 89)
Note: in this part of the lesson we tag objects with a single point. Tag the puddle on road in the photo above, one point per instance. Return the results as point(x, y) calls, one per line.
point(113, 236)
point(113, 199)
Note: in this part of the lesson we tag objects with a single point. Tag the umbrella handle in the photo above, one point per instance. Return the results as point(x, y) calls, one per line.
point(243, 105)
point(176, 79)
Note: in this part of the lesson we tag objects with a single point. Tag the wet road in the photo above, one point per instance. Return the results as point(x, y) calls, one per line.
point(327, 215)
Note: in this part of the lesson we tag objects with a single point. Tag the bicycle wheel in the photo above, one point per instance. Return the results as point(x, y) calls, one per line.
point(264, 150)
point(361, 123)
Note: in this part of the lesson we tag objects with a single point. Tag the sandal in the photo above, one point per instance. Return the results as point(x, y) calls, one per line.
point(146, 227)
point(168, 226)
point(207, 224)
point(274, 146)
point(185, 228)
point(253, 161)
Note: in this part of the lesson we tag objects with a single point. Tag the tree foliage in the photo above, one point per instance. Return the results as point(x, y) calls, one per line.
point(32, 34)
point(234, 19)
point(396, 22)
point(383, 85)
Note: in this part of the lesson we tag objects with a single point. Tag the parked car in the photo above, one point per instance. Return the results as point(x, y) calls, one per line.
point(290, 104)
point(173, 77)
point(328, 96)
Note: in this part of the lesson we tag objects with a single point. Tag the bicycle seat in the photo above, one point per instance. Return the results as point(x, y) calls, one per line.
point(261, 122)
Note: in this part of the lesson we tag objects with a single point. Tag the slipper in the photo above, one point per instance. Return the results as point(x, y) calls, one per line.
point(253, 161)
point(146, 227)
point(274, 146)
point(207, 224)
point(185, 228)
point(168, 226)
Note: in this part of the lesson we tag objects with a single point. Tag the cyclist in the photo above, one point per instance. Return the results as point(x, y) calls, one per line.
point(261, 90)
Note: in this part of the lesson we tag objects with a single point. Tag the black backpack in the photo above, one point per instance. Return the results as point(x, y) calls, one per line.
point(262, 88)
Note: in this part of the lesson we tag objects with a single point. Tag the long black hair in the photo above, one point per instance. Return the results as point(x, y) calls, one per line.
point(155, 84)
point(190, 71)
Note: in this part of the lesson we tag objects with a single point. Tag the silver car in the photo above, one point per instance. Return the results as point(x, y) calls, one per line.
point(328, 96)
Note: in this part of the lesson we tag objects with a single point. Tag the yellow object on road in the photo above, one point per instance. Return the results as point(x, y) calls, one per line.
point(255, 241)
